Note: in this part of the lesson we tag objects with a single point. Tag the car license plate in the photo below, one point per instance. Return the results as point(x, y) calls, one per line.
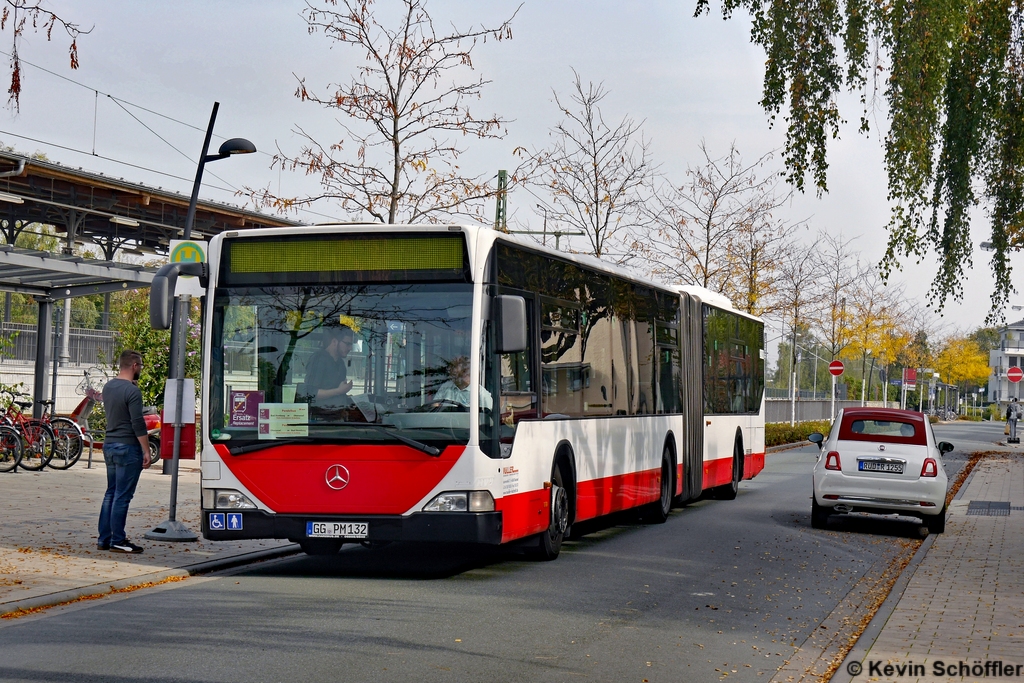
point(337, 529)
point(871, 466)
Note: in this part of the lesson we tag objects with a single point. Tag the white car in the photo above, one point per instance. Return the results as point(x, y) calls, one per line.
point(883, 461)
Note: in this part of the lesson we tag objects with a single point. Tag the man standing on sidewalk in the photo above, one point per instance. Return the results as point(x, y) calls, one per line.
point(125, 452)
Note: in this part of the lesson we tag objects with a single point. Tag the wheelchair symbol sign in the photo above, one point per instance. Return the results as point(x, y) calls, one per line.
point(217, 521)
point(235, 521)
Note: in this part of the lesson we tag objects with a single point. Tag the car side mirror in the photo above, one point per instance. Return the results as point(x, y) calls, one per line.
point(816, 438)
point(945, 447)
point(510, 315)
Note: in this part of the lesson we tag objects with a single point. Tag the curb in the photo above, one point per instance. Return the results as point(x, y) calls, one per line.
point(786, 446)
point(105, 587)
point(867, 639)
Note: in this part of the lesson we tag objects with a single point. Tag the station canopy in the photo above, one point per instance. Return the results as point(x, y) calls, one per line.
point(112, 213)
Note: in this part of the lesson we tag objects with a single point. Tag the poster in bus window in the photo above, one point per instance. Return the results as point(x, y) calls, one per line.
point(282, 420)
point(244, 408)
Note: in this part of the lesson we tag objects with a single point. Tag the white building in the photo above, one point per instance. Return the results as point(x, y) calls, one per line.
point(1010, 354)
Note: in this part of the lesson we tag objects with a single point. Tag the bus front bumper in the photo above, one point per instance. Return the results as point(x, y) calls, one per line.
point(438, 527)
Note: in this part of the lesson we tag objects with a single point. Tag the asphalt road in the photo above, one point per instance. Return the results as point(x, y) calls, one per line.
point(724, 587)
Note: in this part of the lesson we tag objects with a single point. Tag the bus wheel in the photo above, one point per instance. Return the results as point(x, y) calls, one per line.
point(658, 511)
point(549, 543)
point(729, 491)
point(320, 546)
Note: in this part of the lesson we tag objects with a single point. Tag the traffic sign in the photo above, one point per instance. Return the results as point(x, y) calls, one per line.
point(188, 251)
point(836, 367)
point(1015, 374)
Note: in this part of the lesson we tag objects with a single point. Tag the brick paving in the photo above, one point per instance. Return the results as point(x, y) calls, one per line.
point(48, 533)
point(965, 601)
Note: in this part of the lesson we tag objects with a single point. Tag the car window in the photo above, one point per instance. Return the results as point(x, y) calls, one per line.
point(867, 428)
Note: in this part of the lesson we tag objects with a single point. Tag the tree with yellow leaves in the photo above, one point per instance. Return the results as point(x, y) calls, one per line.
point(962, 362)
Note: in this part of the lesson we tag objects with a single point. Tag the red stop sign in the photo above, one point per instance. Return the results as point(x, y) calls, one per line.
point(1015, 374)
point(836, 367)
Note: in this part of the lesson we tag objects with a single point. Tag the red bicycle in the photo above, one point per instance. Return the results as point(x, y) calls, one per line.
point(37, 437)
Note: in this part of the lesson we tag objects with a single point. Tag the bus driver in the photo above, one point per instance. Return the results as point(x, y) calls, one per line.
point(456, 389)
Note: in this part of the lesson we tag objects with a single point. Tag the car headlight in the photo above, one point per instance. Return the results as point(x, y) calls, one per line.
point(461, 501)
point(226, 499)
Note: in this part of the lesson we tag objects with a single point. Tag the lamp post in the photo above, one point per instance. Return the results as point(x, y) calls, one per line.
point(863, 369)
point(173, 530)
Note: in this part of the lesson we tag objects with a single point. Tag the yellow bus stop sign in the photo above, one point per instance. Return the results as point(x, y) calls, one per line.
point(188, 251)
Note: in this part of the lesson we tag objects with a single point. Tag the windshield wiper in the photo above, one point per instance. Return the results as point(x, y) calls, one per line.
point(270, 443)
point(383, 429)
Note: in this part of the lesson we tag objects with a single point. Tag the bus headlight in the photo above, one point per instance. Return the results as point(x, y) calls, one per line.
point(226, 499)
point(461, 501)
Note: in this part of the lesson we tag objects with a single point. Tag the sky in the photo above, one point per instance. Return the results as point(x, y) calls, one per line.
point(687, 79)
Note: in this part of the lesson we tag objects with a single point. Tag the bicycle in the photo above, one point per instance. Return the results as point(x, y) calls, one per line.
point(36, 438)
point(69, 439)
point(10, 449)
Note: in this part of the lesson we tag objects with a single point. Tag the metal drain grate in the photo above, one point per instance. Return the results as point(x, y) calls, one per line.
point(989, 508)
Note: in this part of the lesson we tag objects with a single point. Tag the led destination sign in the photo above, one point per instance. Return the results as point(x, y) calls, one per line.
point(344, 259)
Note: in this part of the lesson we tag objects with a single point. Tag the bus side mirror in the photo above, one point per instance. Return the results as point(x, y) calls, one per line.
point(510, 315)
point(161, 291)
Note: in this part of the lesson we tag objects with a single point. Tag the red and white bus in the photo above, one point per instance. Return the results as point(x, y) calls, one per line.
point(589, 391)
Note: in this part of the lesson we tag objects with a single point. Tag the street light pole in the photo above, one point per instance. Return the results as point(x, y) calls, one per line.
point(172, 529)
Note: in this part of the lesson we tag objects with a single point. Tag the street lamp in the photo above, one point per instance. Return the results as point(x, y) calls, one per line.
point(863, 367)
point(173, 530)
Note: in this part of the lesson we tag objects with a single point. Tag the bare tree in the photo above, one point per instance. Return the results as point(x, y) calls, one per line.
point(19, 15)
point(595, 175)
point(841, 273)
point(402, 111)
point(719, 230)
point(798, 295)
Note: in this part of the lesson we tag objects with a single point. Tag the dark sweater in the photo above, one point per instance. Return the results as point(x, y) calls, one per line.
point(122, 402)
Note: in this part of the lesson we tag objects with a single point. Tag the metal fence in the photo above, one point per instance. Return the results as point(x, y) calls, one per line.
point(777, 410)
point(85, 347)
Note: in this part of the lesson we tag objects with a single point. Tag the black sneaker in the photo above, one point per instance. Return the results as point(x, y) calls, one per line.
point(126, 547)
point(102, 546)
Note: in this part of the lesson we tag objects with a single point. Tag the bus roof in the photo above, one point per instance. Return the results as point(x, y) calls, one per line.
point(706, 296)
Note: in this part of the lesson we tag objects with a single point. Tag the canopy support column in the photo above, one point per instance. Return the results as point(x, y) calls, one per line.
point(44, 353)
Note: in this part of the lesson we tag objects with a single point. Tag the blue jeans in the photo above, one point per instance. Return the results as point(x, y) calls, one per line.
point(124, 465)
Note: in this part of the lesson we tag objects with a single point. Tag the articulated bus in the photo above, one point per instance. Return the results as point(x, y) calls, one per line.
point(481, 389)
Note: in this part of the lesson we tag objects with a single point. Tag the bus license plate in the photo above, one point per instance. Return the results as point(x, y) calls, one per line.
point(337, 529)
point(890, 467)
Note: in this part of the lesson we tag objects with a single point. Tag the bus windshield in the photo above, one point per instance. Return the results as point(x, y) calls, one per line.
point(340, 363)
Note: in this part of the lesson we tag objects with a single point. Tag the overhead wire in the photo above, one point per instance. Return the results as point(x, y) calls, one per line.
point(121, 102)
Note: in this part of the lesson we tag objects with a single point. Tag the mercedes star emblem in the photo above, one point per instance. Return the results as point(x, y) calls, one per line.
point(337, 477)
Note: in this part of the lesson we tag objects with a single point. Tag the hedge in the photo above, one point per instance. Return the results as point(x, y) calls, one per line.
point(779, 433)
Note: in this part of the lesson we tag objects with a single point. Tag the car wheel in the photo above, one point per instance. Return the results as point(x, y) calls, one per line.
point(936, 524)
point(819, 515)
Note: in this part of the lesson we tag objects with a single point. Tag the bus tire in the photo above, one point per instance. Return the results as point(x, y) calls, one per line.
point(658, 511)
point(729, 491)
point(549, 543)
point(320, 546)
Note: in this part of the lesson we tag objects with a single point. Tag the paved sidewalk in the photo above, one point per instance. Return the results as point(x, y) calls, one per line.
point(48, 540)
point(964, 602)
